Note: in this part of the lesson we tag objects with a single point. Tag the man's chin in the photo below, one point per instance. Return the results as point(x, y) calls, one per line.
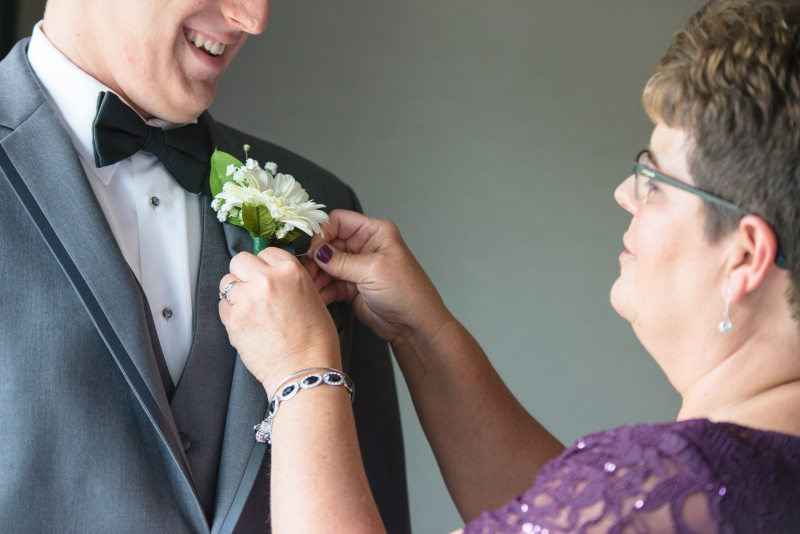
point(186, 111)
point(178, 106)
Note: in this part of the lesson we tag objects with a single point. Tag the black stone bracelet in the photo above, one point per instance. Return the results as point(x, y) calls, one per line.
point(286, 390)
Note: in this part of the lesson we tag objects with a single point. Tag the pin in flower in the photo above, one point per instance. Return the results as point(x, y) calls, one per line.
point(270, 205)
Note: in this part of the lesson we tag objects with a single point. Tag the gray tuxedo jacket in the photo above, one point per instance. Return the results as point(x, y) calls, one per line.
point(93, 440)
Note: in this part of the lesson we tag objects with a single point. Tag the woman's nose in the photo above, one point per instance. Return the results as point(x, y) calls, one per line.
point(625, 196)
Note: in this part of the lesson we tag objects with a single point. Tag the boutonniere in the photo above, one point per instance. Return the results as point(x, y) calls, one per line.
point(270, 205)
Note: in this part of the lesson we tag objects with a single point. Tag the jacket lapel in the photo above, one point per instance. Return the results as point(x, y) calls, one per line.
point(241, 457)
point(52, 172)
point(60, 189)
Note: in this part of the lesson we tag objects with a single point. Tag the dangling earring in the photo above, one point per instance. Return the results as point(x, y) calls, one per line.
point(725, 324)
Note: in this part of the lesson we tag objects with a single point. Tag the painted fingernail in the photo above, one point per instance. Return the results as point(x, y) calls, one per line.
point(324, 253)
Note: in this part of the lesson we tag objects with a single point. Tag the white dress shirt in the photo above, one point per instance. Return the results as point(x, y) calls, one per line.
point(155, 221)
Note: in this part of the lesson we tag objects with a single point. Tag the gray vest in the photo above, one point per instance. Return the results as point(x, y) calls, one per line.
point(199, 400)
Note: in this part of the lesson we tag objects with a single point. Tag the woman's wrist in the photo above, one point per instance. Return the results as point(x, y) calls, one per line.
point(423, 338)
point(324, 359)
point(302, 377)
point(293, 384)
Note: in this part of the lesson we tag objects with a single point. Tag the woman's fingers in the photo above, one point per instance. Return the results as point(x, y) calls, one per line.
point(279, 322)
point(352, 232)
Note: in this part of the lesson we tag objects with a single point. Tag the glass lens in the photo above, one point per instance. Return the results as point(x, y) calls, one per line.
point(639, 181)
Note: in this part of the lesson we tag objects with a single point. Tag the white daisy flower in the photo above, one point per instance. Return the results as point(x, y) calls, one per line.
point(287, 202)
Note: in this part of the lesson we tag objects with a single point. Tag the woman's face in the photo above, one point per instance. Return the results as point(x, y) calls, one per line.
point(671, 285)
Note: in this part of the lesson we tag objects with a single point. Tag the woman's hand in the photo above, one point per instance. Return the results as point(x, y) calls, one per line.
point(279, 324)
point(364, 261)
point(275, 318)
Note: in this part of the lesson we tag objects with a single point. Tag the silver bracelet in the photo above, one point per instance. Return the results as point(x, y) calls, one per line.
point(286, 390)
point(300, 372)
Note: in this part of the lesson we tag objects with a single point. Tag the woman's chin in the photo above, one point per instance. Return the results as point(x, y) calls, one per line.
point(621, 300)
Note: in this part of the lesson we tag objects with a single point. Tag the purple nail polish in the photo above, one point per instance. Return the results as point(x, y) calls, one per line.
point(324, 253)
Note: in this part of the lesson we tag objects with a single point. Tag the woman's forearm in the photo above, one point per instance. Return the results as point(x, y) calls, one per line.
point(489, 449)
point(317, 481)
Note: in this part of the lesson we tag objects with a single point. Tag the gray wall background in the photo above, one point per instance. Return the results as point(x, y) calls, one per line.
point(493, 134)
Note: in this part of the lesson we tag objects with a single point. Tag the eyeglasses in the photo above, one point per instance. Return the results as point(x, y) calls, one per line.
point(644, 176)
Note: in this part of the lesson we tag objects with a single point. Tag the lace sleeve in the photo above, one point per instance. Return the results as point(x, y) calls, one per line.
point(630, 479)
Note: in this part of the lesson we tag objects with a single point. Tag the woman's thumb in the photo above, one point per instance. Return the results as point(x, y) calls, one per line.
point(339, 264)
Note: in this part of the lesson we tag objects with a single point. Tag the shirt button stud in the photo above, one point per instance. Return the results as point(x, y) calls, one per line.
point(166, 312)
point(154, 201)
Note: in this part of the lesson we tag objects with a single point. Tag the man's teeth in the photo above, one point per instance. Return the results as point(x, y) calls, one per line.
point(215, 48)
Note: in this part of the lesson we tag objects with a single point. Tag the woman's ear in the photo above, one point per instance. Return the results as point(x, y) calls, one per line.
point(754, 249)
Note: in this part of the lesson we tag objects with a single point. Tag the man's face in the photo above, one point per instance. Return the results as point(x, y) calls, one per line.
point(164, 57)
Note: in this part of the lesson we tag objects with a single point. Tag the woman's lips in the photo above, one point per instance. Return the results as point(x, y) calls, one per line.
point(626, 254)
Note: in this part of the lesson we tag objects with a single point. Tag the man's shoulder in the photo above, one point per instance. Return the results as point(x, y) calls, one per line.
point(20, 93)
point(322, 185)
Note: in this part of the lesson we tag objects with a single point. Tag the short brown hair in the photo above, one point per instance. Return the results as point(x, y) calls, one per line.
point(731, 81)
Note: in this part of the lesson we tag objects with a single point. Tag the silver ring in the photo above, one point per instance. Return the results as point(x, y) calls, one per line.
point(224, 293)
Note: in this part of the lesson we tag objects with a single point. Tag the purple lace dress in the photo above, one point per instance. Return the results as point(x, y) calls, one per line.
point(689, 476)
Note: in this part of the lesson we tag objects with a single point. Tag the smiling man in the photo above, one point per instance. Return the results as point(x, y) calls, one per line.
point(122, 405)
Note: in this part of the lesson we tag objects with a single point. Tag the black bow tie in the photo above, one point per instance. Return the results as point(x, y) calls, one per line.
point(118, 133)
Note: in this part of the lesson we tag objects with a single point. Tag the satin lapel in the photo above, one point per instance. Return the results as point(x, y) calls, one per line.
point(51, 171)
point(241, 456)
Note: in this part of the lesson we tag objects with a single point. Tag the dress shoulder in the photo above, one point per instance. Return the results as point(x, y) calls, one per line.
point(685, 477)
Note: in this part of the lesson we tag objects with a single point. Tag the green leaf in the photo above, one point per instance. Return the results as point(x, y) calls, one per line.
point(258, 221)
point(237, 221)
point(219, 167)
point(290, 236)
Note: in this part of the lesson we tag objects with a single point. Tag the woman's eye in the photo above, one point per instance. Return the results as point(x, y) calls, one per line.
point(647, 188)
point(650, 186)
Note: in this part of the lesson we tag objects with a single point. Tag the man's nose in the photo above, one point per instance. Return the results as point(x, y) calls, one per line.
point(249, 15)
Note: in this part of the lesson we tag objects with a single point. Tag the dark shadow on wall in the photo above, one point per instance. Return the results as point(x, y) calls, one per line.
point(8, 25)
point(17, 18)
